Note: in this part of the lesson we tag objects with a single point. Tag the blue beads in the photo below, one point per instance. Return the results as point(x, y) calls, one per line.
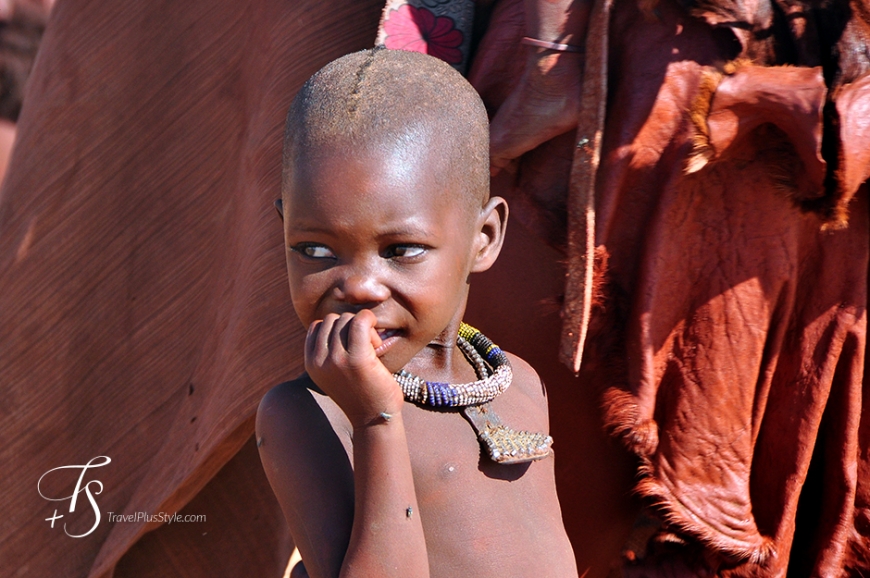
point(441, 393)
point(478, 350)
point(494, 353)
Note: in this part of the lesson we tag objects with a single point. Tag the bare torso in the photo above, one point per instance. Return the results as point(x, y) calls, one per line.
point(479, 518)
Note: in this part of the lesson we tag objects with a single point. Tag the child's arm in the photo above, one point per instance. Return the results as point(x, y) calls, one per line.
point(310, 473)
point(386, 538)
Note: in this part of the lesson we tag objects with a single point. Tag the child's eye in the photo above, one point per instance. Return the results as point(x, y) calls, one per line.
point(313, 251)
point(406, 251)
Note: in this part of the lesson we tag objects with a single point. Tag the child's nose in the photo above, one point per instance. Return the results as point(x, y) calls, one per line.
point(361, 288)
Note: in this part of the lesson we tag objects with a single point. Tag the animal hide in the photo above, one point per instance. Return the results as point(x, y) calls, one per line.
point(728, 334)
point(143, 296)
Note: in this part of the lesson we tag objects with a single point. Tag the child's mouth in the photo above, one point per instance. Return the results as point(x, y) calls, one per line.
point(385, 334)
point(388, 338)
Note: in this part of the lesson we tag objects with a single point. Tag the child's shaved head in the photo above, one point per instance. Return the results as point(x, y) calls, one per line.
point(387, 99)
point(386, 198)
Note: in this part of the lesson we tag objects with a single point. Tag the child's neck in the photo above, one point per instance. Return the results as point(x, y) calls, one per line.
point(442, 360)
point(437, 360)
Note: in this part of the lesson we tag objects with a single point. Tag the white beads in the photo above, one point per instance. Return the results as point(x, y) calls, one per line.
point(486, 389)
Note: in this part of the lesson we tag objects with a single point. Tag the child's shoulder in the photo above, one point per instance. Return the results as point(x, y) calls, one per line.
point(526, 398)
point(523, 372)
point(299, 406)
point(527, 379)
point(288, 395)
point(290, 399)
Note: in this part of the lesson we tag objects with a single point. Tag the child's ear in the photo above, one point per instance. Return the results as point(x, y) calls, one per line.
point(490, 237)
point(279, 206)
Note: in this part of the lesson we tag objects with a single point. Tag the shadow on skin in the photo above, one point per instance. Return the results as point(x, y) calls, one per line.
point(495, 471)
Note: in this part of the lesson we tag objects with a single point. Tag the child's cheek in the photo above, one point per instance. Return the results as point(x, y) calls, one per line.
point(306, 292)
point(304, 307)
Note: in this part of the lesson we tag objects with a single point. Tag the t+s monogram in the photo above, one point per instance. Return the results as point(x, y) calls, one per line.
point(96, 462)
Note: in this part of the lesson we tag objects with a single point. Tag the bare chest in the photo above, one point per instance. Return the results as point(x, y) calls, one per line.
point(481, 518)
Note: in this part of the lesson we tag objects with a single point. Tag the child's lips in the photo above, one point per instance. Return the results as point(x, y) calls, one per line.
point(385, 334)
point(388, 338)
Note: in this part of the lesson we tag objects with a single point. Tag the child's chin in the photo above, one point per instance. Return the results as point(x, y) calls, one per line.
point(394, 359)
point(392, 365)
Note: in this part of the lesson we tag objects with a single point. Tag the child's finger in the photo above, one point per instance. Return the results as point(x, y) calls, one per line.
point(320, 345)
point(376, 339)
point(311, 338)
point(338, 334)
point(362, 335)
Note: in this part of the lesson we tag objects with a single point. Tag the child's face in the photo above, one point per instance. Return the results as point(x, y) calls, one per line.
point(385, 230)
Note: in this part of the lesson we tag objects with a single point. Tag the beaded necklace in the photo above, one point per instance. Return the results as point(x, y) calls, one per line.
point(503, 444)
point(479, 351)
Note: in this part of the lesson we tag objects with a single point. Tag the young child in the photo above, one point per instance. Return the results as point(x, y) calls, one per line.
point(386, 214)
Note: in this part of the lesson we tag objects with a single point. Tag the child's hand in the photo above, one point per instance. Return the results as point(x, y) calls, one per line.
point(340, 357)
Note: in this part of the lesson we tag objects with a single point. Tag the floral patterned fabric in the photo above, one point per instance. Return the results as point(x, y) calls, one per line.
point(440, 29)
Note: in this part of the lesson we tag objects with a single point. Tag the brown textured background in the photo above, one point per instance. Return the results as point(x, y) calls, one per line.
point(143, 306)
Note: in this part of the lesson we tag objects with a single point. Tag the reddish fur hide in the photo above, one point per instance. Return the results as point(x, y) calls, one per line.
point(729, 338)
